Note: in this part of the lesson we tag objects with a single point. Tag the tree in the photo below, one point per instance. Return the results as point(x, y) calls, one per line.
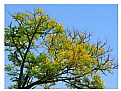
point(42, 53)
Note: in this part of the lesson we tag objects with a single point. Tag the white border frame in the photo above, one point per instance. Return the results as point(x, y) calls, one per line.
point(56, 2)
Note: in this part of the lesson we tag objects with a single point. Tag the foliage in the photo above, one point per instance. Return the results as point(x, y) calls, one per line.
point(43, 53)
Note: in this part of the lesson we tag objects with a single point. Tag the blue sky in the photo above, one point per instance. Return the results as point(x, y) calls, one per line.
point(101, 20)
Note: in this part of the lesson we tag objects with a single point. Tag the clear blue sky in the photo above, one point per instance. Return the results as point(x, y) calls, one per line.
point(101, 20)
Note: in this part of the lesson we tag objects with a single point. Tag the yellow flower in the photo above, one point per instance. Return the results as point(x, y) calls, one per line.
point(39, 10)
point(37, 18)
point(59, 27)
point(86, 56)
point(94, 48)
point(20, 16)
point(62, 28)
point(27, 13)
point(43, 16)
point(53, 22)
point(55, 62)
point(88, 44)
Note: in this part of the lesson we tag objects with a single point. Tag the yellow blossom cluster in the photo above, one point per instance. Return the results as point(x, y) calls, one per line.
point(44, 17)
point(50, 24)
point(39, 10)
point(53, 22)
point(94, 48)
point(97, 80)
point(19, 16)
point(78, 54)
point(27, 13)
point(59, 27)
point(39, 17)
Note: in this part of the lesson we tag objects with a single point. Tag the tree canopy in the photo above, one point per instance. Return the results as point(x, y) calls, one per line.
point(43, 53)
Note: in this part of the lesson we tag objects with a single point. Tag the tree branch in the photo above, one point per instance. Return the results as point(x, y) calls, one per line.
point(22, 66)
